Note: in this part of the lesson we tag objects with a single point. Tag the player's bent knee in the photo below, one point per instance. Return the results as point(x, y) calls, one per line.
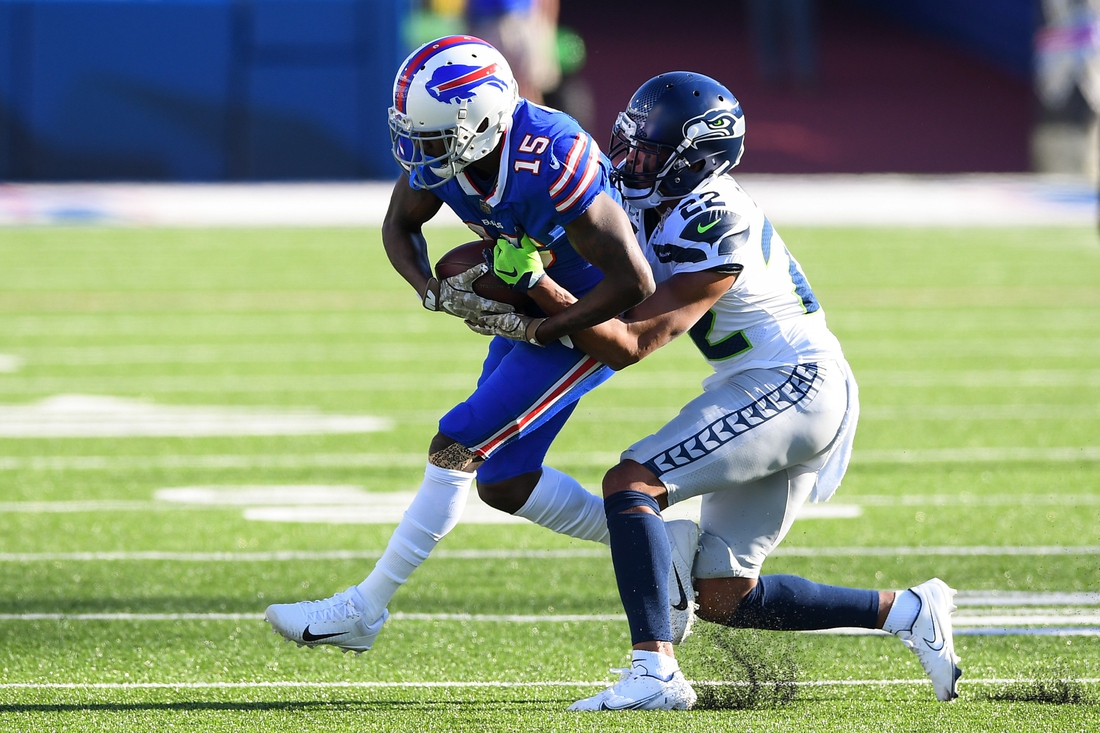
point(446, 453)
point(632, 476)
point(510, 494)
point(719, 598)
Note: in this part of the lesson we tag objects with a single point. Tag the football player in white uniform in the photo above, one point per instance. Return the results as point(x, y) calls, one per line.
point(772, 428)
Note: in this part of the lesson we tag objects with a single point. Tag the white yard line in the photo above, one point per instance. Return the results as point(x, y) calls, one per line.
point(309, 556)
point(1075, 617)
point(278, 497)
point(875, 199)
point(1068, 454)
point(289, 684)
point(403, 381)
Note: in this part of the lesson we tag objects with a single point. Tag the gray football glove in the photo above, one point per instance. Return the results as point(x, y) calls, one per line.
point(509, 325)
point(455, 295)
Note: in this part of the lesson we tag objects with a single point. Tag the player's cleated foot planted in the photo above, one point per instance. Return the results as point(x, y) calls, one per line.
point(931, 637)
point(683, 535)
point(640, 690)
point(336, 621)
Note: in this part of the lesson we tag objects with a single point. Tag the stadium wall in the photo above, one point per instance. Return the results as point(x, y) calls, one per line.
point(197, 90)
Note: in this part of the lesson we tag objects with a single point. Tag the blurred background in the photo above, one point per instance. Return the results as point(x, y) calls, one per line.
point(285, 90)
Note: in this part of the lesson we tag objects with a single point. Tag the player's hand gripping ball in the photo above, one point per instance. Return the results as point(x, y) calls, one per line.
point(519, 265)
point(465, 286)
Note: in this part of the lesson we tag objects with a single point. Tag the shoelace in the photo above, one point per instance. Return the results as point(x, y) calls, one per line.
point(337, 608)
point(624, 672)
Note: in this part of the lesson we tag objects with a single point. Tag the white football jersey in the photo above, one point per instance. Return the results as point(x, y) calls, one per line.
point(770, 316)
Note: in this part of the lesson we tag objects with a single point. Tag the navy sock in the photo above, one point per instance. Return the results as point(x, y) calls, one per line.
point(642, 558)
point(791, 603)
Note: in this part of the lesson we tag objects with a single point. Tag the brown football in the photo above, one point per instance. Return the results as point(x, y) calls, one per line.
point(489, 286)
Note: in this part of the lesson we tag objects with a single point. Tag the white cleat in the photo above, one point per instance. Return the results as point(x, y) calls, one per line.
point(640, 690)
point(931, 637)
point(336, 621)
point(683, 535)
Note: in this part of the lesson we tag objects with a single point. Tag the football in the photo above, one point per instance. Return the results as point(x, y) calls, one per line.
point(489, 286)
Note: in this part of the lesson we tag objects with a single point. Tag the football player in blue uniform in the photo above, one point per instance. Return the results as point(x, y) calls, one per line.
point(516, 173)
point(772, 429)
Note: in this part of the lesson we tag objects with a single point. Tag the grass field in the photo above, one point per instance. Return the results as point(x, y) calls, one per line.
point(126, 607)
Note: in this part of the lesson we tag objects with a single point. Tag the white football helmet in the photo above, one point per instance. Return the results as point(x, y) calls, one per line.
point(452, 101)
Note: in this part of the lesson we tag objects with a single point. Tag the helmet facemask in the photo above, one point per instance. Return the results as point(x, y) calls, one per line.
point(640, 165)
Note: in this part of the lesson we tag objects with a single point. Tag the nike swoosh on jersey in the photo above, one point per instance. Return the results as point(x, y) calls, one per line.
point(307, 636)
point(704, 229)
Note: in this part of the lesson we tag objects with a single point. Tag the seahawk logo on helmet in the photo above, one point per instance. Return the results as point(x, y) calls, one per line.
point(715, 124)
point(452, 83)
point(453, 98)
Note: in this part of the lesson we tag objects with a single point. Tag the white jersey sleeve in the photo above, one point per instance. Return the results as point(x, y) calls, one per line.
point(770, 317)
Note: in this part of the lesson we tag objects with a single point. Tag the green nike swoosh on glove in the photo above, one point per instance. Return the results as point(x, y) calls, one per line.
point(518, 265)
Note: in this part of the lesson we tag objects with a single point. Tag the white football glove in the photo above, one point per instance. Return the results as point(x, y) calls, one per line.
point(509, 325)
point(455, 295)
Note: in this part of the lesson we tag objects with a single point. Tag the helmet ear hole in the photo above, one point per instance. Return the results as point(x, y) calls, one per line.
point(484, 125)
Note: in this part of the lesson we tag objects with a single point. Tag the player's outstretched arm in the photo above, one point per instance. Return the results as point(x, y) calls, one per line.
point(402, 234)
point(603, 236)
point(675, 306)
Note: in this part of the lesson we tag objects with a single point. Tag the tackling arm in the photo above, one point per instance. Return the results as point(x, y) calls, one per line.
point(603, 236)
point(675, 306)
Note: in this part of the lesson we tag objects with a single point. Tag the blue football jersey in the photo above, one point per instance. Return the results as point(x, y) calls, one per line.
point(551, 171)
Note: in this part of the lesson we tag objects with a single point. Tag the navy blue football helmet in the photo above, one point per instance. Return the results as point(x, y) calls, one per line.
point(679, 129)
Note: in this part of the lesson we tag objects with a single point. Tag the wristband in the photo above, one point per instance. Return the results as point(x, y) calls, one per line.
point(530, 334)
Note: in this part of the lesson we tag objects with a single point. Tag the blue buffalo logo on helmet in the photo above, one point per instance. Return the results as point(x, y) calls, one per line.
point(715, 124)
point(455, 82)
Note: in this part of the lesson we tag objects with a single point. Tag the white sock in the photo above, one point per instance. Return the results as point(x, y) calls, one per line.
point(903, 614)
point(655, 663)
point(433, 513)
point(560, 503)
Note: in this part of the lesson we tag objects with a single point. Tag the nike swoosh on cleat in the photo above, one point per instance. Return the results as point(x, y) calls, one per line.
point(634, 704)
point(937, 640)
point(307, 636)
point(683, 604)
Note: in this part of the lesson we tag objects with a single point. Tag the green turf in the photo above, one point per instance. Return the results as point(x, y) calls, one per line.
point(961, 339)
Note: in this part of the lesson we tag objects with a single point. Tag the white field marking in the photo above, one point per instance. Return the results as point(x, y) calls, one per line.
point(388, 508)
point(1003, 617)
point(995, 598)
point(290, 684)
point(391, 504)
point(573, 459)
point(289, 555)
point(876, 199)
point(998, 378)
point(952, 413)
point(262, 494)
point(85, 416)
point(969, 499)
point(891, 413)
point(307, 555)
point(10, 363)
point(394, 382)
point(978, 455)
point(216, 461)
point(268, 352)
